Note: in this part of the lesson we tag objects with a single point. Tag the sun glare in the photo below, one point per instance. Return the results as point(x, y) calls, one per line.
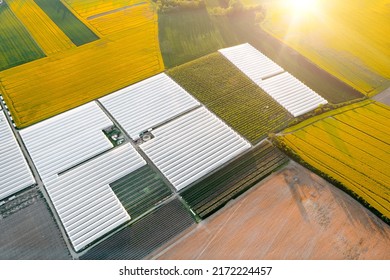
point(302, 6)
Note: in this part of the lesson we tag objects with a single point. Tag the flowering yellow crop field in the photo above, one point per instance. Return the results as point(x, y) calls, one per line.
point(51, 85)
point(46, 33)
point(90, 8)
point(352, 146)
point(122, 20)
point(350, 39)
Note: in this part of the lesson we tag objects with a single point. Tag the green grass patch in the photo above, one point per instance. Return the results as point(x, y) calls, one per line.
point(77, 32)
point(215, 82)
point(187, 35)
point(16, 44)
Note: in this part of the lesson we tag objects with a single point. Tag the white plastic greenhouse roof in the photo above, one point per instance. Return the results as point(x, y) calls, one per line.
point(86, 204)
point(192, 145)
point(77, 163)
point(292, 94)
point(148, 103)
point(251, 62)
point(67, 139)
point(15, 174)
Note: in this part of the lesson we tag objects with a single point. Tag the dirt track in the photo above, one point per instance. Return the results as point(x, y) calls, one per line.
point(294, 214)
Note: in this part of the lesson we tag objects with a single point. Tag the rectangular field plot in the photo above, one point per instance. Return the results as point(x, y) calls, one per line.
point(52, 85)
point(28, 230)
point(141, 238)
point(44, 31)
point(191, 146)
point(292, 94)
point(16, 44)
point(90, 8)
point(122, 19)
point(251, 62)
point(15, 174)
point(77, 32)
point(148, 103)
point(77, 164)
point(208, 195)
point(350, 145)
point(140, 190)
point(232, 96)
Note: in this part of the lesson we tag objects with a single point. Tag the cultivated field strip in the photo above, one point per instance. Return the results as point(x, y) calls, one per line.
point(140, 191)
point(45, 32)
point(15, 174)
point(77, 31)
point(49, 86)
point(148, 103)
point(16, 44)
point(251, 62)
point(28, 230)
point(90, 8)
point(143, 237)
point(232, 96)
point(191, 146)
point(124, 19)
point(77, 162)
point(208, 195)
point(292, 94)
point(353, 147)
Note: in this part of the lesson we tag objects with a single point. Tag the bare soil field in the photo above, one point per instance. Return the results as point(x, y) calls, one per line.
point(294, 214)
point(383, 97)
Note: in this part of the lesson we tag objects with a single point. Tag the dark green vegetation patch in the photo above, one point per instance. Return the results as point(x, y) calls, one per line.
point(218, 84)
point(28, 230)
point(187, 35)
point(216, 190)
point(140, 191)
point(144, 236)
point(16, 44)
point(77, 32)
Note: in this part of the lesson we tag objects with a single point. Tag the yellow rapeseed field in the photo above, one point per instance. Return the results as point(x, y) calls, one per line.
point(350, 39)
point(90, 8)
point(51, 85)
point(351, 145)
point(119, 20)
point(46, 33)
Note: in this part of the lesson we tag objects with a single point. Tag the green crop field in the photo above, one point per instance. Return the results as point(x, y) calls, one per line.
point(16, 44)
point(208, 195)
point(77, 32)
point(218, 84)
point(140, 191)
point(187, 35)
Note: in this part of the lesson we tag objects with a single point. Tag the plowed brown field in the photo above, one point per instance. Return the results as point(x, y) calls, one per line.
point(294, 214)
